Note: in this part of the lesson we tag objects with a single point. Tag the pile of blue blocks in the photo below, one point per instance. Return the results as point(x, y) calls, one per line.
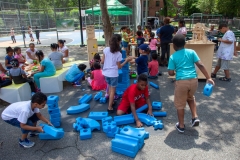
point(125, 80)
point(53, 110)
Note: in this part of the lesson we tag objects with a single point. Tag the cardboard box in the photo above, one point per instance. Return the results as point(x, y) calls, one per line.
point(92, 48)
point(90, 31)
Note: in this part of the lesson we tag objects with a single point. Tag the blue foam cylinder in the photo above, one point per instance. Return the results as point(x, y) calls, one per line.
point(160, 114)
point(85, 99)
point(207, 90)
point(144, 107)
point(154, 85)
point(124, 55)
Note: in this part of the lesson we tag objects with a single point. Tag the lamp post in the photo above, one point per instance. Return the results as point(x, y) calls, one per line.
point(80, 20)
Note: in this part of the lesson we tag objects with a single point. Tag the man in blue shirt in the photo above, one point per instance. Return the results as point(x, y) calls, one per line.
point(166, 37)
point(183, 63)
point(158, 35)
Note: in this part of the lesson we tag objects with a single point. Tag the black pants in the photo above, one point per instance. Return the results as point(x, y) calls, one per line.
point(13, 38)
point(32, 86)
point(4, 83)
point(165, 48)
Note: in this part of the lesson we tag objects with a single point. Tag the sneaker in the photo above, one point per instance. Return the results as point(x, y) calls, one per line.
point(33, 134)
point(195, 122)
point(26, 143)
point(77, 84)
point(181, 130)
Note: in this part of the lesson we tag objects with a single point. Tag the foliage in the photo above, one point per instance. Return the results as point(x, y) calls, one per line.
point(207, 6)
point(169, 9)
point(229, 8)
point(189, 7)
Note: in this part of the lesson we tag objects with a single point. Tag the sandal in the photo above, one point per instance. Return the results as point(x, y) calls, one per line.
point(213, 75)
point(225, 79)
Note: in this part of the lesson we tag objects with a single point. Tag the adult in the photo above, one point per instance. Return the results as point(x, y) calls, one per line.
point(158, 37)
point(166, 38)
point(181, 28)
point(31, 53)
point(37, 31)
point(30, 33)
point(63, 49)
point(23, 32)
point(56, 57)
point(13, 35)
point(156, 23)
point(212, 33)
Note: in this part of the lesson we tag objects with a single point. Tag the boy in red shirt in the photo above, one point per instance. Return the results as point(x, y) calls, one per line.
point(135, 97)
point(153, 67)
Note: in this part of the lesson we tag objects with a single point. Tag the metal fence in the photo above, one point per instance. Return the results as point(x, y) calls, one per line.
point(15, 15)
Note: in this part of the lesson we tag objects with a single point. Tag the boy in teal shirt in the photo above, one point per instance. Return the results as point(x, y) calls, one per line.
point(182, 62)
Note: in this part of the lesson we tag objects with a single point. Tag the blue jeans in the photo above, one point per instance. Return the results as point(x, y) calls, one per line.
point(112, 81)
point(124, 44)
point(30, 122)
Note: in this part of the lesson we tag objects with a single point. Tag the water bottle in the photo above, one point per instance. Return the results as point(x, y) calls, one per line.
point(207, 91)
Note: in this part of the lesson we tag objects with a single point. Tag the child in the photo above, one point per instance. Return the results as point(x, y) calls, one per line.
point(153, 67)
point(30, 33)
point(3, 82)
point(125, 39)
point(13, 35)
point(31, 53)
point(97, 81)
point(142, 61)
point(135, 97)
point(182, 62)
point(19, 76)
point(225, 52)
point(64, 50)
point(111, 61)
point(56, 57)
point(182, 29)
point(96, 58)
point(152, 45)
point(140, 40)
point(75, 74)
point(9, 57)
point(139, 28)
point(47, 68)
point(25, 115)
point(18, 55)
point(37, 31)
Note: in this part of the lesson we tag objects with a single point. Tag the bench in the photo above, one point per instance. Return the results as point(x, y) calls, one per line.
point(15, 93)
point(54, 83)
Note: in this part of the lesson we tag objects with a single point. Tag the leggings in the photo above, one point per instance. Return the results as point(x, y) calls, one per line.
point(39, 75)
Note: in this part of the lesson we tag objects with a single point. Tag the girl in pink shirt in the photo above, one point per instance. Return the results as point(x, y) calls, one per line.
point(18, 55)
point(97, 80)
point(152, 45)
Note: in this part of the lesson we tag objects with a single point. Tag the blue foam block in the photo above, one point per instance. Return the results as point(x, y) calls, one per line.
point(119, 93)
point(144, 107)
point(56, 124)
point(145, 132)
point(85, 99)
point(78, 109)
point(158, 125)
point(207, 90)
point(125, 145)
point(107, 119)
point(56, 119)
point(135, 81)
point(146, 119)
point(154, 85)
point(160, 114)
point(54, 111)
point(124, 119)
point(97, 115)
point(52, 99)
point(156, 105)
point(92, 124)
point(80, 123)
point(53, 106)
point(98, 96)
point(55, 115)
point(103, 100)
point(53, 131)
point(135, 133)
point(120, 75)
point(85, 133)
point(110, 128)
point(45, 136)
point(124, 55)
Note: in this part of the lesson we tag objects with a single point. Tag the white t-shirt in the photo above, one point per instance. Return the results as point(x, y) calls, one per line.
point(20, 110)
point(182, 30)
point(12, 32)
point(226, 51)
point(63, 49)
point(110, 68)
point(30, 30)
point(31, 52)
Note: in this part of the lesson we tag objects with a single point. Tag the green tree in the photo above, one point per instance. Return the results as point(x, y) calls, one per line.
point(189, 7)
point(168, 8)
point(207, 6)
point(229, 8)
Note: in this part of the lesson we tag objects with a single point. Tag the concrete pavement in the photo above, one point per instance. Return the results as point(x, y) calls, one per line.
point(218, 136)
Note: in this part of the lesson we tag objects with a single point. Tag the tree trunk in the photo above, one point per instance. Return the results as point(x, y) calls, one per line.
point(107, 27)
point(165, 8)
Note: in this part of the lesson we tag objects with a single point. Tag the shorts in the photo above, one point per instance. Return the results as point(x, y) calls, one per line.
point(126, 108)
point(14, 122)
point(184, 91)
point(112, 81)
point(224, 64)
point(124, 44)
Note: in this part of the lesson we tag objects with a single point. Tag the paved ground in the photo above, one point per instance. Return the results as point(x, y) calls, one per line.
point(218, 137)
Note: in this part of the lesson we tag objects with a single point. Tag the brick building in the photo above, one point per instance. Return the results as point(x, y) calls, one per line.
point(154, 7)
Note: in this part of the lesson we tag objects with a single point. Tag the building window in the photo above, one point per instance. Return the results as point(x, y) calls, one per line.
point(144, 3)
point(157, 3)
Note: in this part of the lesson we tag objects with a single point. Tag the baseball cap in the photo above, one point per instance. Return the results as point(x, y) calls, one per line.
point(144, 47)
